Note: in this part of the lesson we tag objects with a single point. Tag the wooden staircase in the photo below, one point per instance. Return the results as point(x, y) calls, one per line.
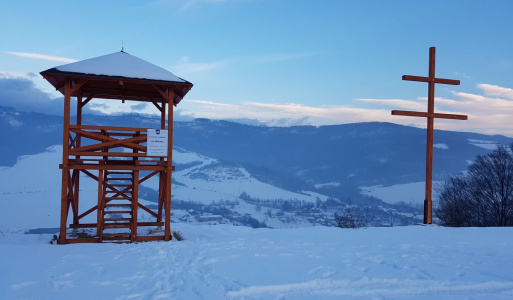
point(117, 213)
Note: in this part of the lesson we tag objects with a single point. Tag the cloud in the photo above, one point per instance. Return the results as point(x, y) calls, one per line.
point(490, 112)
point(42, 56)
point(494, 90)
point(285, 114)
point(21, 94)
point(186, 67)
point(398, 103)
point(489, 115)
point(17, 75)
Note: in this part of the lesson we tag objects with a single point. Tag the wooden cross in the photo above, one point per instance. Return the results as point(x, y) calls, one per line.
point(430, 115)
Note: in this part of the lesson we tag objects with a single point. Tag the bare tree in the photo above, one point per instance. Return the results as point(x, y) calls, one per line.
point(352, 217)
point(483, 196)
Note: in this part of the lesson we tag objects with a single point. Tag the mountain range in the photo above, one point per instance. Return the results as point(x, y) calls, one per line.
point(327, 163)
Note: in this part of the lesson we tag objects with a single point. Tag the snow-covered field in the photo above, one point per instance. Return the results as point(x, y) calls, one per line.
point(234, 262)
point(205, 185)
point(229, 262)
point(410, 193)
point(35, 181)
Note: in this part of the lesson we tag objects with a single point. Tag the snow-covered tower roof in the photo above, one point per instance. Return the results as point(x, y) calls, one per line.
point(118, 75)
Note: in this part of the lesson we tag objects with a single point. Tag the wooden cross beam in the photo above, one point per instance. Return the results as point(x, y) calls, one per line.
point(430, 115)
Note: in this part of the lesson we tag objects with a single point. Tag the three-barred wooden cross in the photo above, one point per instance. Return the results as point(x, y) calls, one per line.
point(430, 115)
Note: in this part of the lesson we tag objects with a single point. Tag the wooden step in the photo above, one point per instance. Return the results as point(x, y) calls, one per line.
point(117, 212)
point(117, 198)
point(126, 194)
point(119, 172)
point(116, 236)
point(118, 205)
point(116, 225)
point(117, 219)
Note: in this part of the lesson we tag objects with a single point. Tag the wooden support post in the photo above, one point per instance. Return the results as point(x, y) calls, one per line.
point(162, 175)
point(169, 165)
point(162, 194)
point(65, 168)
point(72, 194)
point(101, 204)
point(78, 141)
point(135, 204)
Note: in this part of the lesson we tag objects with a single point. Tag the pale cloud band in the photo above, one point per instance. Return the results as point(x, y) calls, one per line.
point(186, 67)
point(42, 56)
point(489, 113)
point(494, 90)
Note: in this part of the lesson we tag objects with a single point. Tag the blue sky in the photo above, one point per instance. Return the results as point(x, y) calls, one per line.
point(281, 62)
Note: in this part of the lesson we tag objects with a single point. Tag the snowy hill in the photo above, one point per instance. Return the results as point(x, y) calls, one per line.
point(223, 261)
point(202, 187)
point(234, 262)
point(278, 176)
point(200, 182)
point(335, 159)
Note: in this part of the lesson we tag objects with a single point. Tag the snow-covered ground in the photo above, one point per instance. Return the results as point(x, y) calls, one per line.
point(229, 262)
point(206, 185)
point(235, 262)
point(35, 183)
point(488, 145)
point(410, 193)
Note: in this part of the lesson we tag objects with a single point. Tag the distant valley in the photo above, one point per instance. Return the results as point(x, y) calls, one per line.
point(279, 176)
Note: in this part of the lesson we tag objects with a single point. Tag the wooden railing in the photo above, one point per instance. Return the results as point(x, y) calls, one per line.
point(100, 145)
point(100, 141)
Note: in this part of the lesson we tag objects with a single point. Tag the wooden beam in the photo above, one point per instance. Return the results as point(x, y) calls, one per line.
point(89, 174)
point(93, 225)
point(94, 208)
point(428, 115)
point(82, 240)
point(78, 85)
point(108, 128)
point(156, 105)
point(169, 169)
point(76, 173)
point(428, 79)
point(148, 176)
point(114, 143)
point(151, 212)
point(108, 154)
point(89, 98)
point(71, 193)
point(65, 173)
point(100, 205)
point(118, 167)
point(135, 203)
point(161, 92)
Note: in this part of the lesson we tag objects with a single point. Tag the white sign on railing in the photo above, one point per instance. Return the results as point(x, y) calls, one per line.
point(157, 142)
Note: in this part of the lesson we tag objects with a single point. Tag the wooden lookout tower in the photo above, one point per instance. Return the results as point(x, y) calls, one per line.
point(117, 158)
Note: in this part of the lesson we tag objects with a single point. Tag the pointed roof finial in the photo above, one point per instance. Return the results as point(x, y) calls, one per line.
point(122, 46)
